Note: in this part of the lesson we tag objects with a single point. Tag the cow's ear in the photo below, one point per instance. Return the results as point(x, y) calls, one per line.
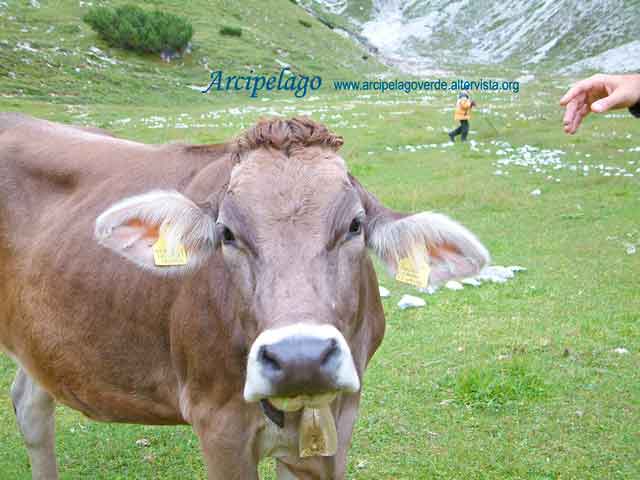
point(452, 250)
point(133, 227)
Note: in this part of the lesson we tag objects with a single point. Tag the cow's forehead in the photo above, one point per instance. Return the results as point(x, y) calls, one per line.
point(265, 173)
point(272, 191)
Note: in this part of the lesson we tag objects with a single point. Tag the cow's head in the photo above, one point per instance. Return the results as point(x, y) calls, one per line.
point(293, 228)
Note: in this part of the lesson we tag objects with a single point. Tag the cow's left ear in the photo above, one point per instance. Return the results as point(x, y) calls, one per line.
point(453, 251)
point(134, 226)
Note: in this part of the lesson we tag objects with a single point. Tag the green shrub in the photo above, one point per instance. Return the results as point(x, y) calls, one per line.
point(304, 23)
point(231, 31)
point(133, 28)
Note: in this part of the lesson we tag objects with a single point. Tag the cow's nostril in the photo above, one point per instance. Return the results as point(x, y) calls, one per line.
point(330, 351)
point(269, 358)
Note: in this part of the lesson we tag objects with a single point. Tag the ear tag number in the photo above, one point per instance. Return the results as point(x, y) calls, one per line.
point(163, 257)
point(414, 270)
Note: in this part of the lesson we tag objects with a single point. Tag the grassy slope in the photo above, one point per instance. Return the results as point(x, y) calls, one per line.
point(504, 381)
point(64, 70)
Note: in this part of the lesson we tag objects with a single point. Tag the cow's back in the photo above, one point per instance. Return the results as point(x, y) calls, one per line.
point(71, 309)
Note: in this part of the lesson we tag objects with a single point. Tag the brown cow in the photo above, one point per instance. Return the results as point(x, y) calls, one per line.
point(271, 292)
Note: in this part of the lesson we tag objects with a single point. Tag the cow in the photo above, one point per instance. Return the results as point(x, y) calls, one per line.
point(262, 291)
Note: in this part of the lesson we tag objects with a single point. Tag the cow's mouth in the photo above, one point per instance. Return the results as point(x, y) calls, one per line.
point(275, 408)
point(272, 413)
point(317, 433)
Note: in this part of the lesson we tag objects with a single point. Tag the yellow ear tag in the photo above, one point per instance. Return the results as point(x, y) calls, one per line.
point(414, 270)
point(163, 257)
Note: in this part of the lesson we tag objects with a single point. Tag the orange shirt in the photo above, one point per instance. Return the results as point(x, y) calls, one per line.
point(463, 109)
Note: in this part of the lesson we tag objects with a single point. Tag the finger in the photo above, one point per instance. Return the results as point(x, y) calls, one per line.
point(618, 98)
point(580, 115)
point(582, 86)
point(568, 121)
point(572, 110)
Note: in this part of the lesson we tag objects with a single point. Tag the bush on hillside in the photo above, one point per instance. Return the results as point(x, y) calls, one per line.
point(133, 28)
point(231, 31)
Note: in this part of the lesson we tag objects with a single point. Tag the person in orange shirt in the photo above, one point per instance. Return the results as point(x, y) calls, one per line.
point(462, 114)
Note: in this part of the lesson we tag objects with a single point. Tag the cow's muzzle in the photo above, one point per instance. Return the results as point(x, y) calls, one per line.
point(299, 359)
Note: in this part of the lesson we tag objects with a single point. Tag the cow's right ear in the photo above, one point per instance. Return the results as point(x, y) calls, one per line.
point(133, 226)
point(452, 251)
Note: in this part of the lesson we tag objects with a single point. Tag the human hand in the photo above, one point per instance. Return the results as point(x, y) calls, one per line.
point(598, 93)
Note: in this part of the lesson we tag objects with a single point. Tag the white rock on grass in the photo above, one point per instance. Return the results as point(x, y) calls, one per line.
point(536, 192)
point(453, 285)
point(409, 301)
point(517, 268)
point(383, 291)
point(621, 350)
point(430, 290)
point(474, 282)
point(495, 273)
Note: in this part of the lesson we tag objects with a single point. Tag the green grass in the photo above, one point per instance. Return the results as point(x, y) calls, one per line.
point(512, 381)
point(494, 386)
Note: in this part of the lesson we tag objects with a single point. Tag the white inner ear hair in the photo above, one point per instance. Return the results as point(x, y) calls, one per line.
point(180, 219)
point(410, 236)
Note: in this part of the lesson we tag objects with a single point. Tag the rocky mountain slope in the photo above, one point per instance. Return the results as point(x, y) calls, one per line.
point(564, 35)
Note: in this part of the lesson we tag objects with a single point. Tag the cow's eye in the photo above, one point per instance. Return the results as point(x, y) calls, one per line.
point(356, 226)
point(227, 236)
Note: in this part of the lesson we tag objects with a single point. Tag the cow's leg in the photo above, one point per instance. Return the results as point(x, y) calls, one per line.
point(35, 409)
point(227, 441)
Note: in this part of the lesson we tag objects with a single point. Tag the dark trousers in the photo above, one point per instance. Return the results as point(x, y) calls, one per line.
point(463, 130)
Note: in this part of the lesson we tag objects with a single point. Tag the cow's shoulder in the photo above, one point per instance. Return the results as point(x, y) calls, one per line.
point(51, 149)
point(50, 169)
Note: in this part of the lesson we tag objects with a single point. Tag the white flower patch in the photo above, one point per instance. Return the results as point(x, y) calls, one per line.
point(550, 162)
point(25, 46)
point(630, 241)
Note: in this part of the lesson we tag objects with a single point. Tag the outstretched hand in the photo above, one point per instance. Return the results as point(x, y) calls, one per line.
point(599, 93)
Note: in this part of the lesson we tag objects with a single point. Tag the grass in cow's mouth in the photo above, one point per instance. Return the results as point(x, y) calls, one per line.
point(537, 378)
